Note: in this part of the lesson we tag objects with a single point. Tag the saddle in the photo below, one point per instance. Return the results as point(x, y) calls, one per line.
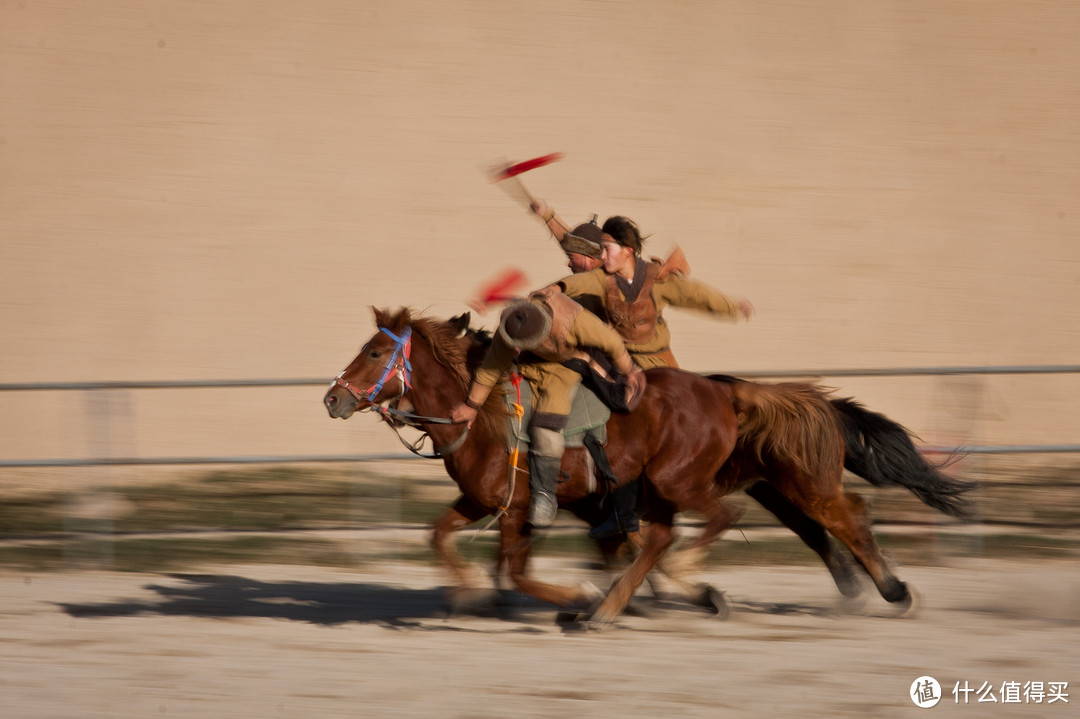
point(588, 416)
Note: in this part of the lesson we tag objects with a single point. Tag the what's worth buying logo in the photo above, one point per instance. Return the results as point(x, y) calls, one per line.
point(925, 692)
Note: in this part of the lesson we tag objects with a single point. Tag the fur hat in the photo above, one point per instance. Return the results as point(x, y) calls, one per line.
point(525, 324)
point(584, 239)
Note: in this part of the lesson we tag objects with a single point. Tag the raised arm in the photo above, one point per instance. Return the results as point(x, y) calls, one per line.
point(554, 223)
point(684, 292)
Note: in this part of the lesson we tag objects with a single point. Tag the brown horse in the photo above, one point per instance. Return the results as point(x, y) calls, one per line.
point(680, 436)
point(692, 441)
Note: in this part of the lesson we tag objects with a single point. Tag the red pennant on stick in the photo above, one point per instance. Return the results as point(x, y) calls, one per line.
point(521, 167)
point(505, 286)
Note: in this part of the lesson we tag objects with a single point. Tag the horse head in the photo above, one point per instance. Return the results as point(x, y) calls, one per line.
point(380, 373)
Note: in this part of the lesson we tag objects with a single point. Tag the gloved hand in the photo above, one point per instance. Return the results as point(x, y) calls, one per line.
point(635, 388)
point(463, 414)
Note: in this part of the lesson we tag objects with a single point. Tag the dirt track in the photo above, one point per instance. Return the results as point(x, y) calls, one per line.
point(263, 641)
point(209, 190)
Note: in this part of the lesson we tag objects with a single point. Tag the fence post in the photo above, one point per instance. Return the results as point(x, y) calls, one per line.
point(90, 512)
point(961, 398)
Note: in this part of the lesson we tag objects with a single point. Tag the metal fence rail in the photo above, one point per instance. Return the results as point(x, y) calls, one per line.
point(316, 382)
point(227, 459)
point(756, 374)
point(912, 371)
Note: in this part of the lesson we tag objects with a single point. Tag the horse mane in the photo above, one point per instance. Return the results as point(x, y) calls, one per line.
point(458, 351)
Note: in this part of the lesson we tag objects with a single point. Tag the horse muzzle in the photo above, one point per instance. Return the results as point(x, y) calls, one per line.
point(340, 403)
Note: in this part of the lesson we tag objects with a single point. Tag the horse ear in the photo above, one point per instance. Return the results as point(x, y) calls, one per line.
point(380, 316)
point(461, 323)
point(398, 321)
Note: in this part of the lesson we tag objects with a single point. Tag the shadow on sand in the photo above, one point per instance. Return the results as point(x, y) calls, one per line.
point(323, 603)
point(336, 603)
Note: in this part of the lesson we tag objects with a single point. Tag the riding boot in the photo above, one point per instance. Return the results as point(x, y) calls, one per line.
point(543, 483)
point(545, 457)
point(623, 517)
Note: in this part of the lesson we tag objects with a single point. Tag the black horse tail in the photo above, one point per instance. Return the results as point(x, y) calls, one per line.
point(882, 452)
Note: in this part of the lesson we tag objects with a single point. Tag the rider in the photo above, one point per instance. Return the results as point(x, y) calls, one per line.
point(611, 283)
point(635, 292)
point(632, 294)
point(539, 334)
point(584, 252)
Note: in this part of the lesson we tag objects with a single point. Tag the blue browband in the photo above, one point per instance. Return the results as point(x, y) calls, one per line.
point(399, 358)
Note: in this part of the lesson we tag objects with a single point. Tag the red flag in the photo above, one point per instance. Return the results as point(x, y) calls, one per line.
point(517, 169)
point(505, 286)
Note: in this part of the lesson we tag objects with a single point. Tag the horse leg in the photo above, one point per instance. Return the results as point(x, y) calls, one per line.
point(844, 514)
point(657, 541)
point(720, 515)
point(812, 533)
point(463, 594)
point(515, 549)
point(848, 521)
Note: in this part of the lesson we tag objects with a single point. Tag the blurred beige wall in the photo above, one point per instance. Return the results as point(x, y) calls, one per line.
point(193, 190)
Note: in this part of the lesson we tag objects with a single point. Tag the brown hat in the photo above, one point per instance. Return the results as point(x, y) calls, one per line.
point(584, 239)
point(525, 324)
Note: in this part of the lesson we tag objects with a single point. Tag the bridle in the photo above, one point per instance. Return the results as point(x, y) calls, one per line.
point(399, 365)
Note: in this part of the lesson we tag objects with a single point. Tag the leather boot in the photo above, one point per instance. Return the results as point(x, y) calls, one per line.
point(543, 483)
point(623, 517)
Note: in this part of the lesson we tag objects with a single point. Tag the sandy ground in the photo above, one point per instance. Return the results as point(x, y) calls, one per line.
point(294, 641)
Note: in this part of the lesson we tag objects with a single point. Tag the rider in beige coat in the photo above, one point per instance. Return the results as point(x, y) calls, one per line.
point(539, 334)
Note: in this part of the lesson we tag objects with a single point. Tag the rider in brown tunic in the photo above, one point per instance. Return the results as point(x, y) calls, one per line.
point(632, 295)
point(635, 292)
point(538, 335)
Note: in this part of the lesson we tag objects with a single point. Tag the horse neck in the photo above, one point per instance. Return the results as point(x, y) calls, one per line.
point(435, 391)
point(435, 388)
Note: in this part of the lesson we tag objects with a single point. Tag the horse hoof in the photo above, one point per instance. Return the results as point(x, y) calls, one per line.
point(590, 594)
point(715, 602)
point(568, 618)
point(908, 607)
point(598, 625)
point(599, 620)
point(850, 586)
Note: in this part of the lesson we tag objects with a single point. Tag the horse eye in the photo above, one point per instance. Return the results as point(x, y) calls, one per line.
point(375, 354)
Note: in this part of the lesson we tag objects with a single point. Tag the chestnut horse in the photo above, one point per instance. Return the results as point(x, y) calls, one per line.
point(679, 437)
point(692, 441)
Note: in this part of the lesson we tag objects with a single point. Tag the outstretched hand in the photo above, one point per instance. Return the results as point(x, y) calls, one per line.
point(746, 309)
point(539, 207)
